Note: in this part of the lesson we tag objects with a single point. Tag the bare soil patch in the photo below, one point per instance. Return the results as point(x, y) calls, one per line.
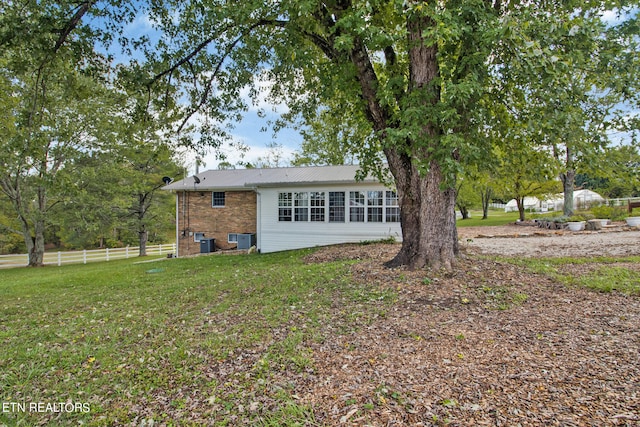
point(488, 345)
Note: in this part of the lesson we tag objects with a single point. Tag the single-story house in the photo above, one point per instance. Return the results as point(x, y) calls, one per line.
point(277, 209)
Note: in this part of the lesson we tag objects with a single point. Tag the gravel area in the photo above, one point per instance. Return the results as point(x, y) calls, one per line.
point(528, 241)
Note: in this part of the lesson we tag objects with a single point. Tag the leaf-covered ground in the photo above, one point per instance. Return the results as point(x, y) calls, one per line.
point(491, 344)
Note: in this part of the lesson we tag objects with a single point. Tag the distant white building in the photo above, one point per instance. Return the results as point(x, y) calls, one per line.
point(581, 199)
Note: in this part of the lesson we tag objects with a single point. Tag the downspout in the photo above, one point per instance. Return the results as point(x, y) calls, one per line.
point(185, 216)
point(177, 224)
point(258, 219)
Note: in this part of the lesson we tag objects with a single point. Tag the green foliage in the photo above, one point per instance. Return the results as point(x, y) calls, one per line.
point(614, 213)
point(70, 116)
point(390, 240)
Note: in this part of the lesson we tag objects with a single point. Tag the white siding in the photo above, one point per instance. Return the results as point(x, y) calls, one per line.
point(275, 235)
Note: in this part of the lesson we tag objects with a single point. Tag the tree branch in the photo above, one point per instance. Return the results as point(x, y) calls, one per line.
point(214, 75)
point(73, 23)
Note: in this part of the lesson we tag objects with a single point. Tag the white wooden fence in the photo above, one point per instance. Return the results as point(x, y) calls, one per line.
point(85, 256)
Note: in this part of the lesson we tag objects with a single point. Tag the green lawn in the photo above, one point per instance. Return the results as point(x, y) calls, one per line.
point(495, 217)
point(117, 337)
point(498, 217)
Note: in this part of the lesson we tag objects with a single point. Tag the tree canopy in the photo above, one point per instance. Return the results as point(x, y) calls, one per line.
point(424, 80)
point(62, 105)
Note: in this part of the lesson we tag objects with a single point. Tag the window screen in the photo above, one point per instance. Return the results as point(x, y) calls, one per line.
point(301, 207)
point(374, 206)
point(356, 206)
point(392, 213)
point(317, 206)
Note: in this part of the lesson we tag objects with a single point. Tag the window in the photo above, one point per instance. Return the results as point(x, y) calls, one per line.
point(284, 207)
point(232, 238)
point(374, 206)
point(218, 199)
point(317, 206)
point(197, 237)
point(301, 207)
point(392, 207)
point(378, 206)
point(336, 206)
point(356, 206)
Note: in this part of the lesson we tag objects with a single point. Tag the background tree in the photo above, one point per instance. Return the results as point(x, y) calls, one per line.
point(466, 197)
point(90, 195)
point(581, 89)
point(62, 107)
point(59, 113)
point(328, 138)
point(616, 174)
point(145, 209)
point(525, 171)
point(482, 183)
point(274, 157)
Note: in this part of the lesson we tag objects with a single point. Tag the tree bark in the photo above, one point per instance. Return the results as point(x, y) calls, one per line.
point(427, 215)
point(143, 237)
point(568, 183)
point(464, 212)
point(568, 179)
point(520, 204)
point(485, 195)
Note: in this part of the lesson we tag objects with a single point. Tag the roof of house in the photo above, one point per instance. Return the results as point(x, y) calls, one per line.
point(230, 179)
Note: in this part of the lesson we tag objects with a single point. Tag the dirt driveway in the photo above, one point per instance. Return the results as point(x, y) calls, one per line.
point(529, 241)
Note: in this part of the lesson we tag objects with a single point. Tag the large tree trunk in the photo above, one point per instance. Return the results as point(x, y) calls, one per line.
point(427, 215)
point(427, 200)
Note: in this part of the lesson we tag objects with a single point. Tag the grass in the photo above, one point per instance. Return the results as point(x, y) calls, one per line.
point(495, 217)
point(604, 274)
point(120, 336)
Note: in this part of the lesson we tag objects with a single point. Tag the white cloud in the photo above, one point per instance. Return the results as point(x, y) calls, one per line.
point(262, 103)
point(141, 25)
point(255, 152)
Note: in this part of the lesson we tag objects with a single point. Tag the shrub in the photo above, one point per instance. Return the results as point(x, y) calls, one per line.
point(614, 213)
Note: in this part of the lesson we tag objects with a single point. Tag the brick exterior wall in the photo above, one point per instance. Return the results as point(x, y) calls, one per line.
point(196, 215)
